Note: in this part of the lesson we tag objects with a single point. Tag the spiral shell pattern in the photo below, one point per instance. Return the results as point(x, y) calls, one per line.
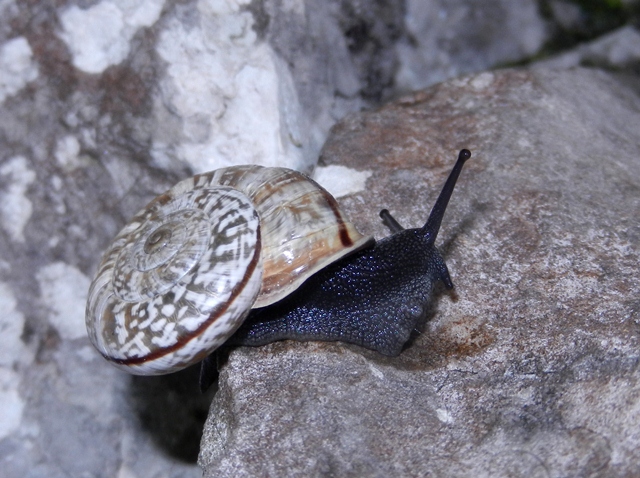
point(180, 278)
point(303, 229)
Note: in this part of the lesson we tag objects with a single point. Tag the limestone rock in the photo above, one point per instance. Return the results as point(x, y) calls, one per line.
point(617, 50)
point(106, 103)
point(448, 38)
point(531, 367)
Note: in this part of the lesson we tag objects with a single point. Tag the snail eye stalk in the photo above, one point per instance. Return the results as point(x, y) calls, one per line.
point(432, 226)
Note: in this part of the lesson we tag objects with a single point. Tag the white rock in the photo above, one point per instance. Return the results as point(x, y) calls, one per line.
point(11, 328)
point(443, 415)
point(10, 402)
point(64, 291)
point(341, 180)
point(67, 153)
point(15, 207)
point(235, 99)
point(99, 36)
point(17, 67)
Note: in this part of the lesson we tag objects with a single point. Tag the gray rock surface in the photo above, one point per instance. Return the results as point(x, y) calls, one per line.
point(619, 50)
point(103, 105)
point(531, 367)
point(448, 38)
point(195, 84)
point(106, 103)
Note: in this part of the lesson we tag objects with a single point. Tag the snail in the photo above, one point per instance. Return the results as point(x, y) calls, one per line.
point(248, 255)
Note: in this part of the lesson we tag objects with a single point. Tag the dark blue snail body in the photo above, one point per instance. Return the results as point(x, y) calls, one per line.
point(373, 298)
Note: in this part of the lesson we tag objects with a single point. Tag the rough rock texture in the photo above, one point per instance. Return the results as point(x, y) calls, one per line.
point(531, 368)
point(618, 50)
point(103, 105)
point(195, 83)
point(447, 38)
point(106, 103)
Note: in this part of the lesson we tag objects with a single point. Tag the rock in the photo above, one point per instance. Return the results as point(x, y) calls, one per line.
point(445, 39)
point(201, 84)
point(530, 368)
point(103, 105)
point(617, 50)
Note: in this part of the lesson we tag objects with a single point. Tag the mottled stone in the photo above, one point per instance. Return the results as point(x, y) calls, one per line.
point(530, 368)
point(15, 207)
point(18, 67)
point(100, 36)
point(105, 104)
point(448, 38)
point(619, 50)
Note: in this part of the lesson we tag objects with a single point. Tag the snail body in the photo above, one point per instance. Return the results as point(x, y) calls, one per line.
point(264, 246)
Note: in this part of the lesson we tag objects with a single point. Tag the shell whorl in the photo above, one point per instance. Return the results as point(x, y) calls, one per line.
point(180, 278)
point(303, 229)
point(175, 282)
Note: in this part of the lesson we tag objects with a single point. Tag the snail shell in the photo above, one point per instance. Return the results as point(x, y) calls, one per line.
point(180, 278)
